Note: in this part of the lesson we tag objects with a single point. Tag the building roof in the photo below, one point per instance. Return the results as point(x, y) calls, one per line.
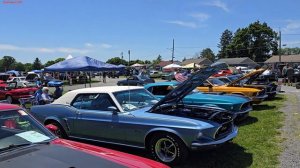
point(165, 63)
point(284, 58)
point(200, 61)
point(238, 61)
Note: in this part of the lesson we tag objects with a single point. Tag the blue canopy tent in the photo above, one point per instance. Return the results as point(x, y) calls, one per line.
point(82, 63)
point(13, 72)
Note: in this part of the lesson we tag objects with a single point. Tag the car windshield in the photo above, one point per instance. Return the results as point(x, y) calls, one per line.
point(135, 99)
point(19, 128)
point(216, 82)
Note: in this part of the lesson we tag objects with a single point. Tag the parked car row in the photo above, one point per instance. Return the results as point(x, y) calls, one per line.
point(168, 119)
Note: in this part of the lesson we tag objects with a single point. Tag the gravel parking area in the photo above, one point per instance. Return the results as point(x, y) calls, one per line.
point(290, 156)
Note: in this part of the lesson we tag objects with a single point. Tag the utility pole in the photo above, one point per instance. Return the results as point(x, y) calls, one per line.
point(173, 52)
point(122, 55)
point(129, 57)
point(279, 47)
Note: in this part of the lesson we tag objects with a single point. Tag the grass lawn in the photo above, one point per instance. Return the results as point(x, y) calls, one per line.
point(257, 144)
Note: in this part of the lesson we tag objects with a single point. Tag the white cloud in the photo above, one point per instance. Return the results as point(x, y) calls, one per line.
point(89, 45)
point(200, 16)
point(183, 23)
point(103, 45)
point(218, 4)
point(292, 26)
point(9, 47)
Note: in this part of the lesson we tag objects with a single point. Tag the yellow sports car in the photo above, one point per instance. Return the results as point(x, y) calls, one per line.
point(216, 85)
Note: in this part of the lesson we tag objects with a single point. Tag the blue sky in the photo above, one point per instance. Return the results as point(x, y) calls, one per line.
point(50, 29)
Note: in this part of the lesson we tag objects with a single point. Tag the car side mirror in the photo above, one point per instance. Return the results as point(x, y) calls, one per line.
point(113, 109)
point(52, 128)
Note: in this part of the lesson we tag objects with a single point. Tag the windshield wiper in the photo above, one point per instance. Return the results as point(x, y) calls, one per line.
point(13, 146)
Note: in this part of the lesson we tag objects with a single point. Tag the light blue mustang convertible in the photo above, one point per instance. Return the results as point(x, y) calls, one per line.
point(132, 116)
point(237, 104)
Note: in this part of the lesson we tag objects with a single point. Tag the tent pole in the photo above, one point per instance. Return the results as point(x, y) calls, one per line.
point(90, 79)
point(85, 79)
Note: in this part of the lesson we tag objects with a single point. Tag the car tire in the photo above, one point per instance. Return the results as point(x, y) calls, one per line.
point(168, 148)
point(9, 99)
point(60, 132)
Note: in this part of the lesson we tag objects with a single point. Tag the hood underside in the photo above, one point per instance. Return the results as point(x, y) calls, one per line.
point(190, 84)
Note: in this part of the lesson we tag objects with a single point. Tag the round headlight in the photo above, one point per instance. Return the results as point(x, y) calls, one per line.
point(199, 135)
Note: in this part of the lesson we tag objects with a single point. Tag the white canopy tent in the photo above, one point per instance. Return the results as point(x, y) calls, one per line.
point(172, 66)
point(191, 65)
point(69, 57)
point(137, 65)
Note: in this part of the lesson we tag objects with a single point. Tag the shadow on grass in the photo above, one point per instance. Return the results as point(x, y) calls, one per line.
point(228, 155)
point(261, 107)
point(275, 98)
point(247, 121)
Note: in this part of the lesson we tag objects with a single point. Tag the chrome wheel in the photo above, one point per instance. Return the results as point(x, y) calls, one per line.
point(166, 150)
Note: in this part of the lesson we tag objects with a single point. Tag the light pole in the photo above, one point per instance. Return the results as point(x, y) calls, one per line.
point(279, 47)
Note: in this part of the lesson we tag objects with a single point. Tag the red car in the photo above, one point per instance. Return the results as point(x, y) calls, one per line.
point(12, 92)
point(223, 73)
point(26, 143)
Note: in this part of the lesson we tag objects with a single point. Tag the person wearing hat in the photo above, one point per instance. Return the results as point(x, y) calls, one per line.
point(45, 98)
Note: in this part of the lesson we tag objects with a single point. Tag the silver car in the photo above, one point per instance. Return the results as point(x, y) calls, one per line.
point(132, 116)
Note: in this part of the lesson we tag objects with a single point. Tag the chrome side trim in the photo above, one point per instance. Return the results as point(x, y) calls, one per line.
point(87, 139)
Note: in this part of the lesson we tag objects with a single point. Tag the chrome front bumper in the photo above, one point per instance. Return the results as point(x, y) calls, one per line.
point(244, 111)
point(197, 145)
point(259, 99)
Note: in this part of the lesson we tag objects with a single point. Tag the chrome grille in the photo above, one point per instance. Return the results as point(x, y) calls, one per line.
point(224, 130)
point(245, 106)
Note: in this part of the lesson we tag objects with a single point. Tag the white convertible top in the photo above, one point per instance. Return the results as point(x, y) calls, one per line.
point(69, 96)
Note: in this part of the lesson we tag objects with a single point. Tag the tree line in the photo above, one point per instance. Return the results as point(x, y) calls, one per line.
point(257, 41)
point(10, 63)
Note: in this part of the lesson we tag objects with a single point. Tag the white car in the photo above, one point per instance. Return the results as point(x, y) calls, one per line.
point(17, 79)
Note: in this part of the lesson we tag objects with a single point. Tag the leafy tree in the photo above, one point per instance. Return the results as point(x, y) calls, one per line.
point(51, 62)
point(257, 41)
point(7, 62)
point(208, 53)
point(37, 64)
point(147, 62)
point(290, 51)
point(225, 41)
point(157, 60)
point(28, 67)
point(19, 66)
point(184, 59)
point(1, 66)
point(117, 61)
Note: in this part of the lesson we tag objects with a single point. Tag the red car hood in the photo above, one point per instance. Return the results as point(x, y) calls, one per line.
point(121, 158)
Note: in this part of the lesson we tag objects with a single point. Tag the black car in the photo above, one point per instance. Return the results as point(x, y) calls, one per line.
point(136, 80)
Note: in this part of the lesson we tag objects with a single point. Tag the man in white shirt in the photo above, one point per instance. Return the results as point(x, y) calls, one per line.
point(45, 96)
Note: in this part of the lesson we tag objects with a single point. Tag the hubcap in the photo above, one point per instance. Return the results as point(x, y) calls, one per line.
point(166, 150)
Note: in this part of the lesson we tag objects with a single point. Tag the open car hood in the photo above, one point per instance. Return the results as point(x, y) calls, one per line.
point(252, 76)
point(190, 84)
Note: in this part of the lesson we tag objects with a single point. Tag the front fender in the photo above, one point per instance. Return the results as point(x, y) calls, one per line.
point(162, 129)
